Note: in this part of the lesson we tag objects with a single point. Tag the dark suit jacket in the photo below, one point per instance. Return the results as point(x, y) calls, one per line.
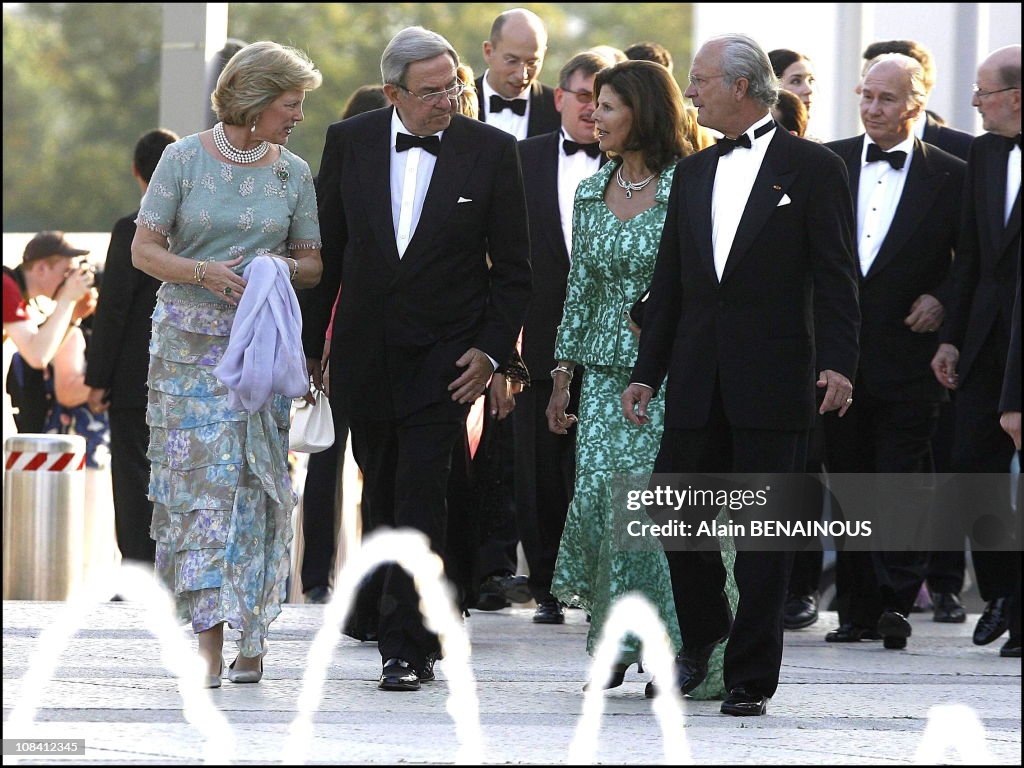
point(118, 354)
point(402, 323)
point(1010, 401)
point(548, 255)
point(785, 309)
point(544, 118)
point(915, 258)
point(957, 143)
point(987, 257)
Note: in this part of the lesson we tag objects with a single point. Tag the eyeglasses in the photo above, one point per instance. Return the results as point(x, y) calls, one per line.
point(450, 93)
point(700, 82)
point(982, 94)
point(583, 97)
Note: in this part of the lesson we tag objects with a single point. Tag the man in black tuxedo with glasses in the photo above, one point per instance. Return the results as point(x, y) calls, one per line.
point(413, 201)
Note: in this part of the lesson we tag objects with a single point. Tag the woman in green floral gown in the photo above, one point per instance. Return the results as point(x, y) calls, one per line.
point(617, 221)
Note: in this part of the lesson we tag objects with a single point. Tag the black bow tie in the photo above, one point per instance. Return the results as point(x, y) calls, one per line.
point(1012, 141)
point(571, 148)
point(516, 105)
point(431, 144)
point(726, 145)
point(896, 159)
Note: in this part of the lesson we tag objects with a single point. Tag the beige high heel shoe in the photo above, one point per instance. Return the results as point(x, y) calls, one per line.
point(214, 681)
point(245, 676)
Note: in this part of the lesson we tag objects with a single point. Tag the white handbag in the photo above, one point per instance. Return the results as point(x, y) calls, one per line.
point(312, 427)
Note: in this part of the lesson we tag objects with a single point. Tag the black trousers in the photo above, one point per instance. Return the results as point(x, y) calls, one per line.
point(880, 436)
point(405, 468)
point(545, 472)
point(980, 445)
point(753, 656)
point(129, 476)
point(323, 475)
point(493, 474)
point(805, 578)
point(945, 569)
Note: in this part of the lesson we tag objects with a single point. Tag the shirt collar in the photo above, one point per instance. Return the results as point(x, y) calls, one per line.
point(766, 136)
point(397, 126)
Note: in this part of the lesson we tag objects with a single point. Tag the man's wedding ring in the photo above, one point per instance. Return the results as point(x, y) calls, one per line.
point(849, 401)
point(227, 291)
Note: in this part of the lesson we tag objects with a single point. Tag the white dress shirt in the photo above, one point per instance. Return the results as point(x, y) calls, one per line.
point(410, 176)
point(733, 181)
point(878, 196)
point(507, 120)
point(1012, 182)
point(572, 169)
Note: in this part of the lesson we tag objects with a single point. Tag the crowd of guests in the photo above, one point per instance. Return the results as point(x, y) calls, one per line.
point(515, 294)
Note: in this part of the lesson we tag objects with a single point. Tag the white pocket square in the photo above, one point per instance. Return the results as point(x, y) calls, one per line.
point(465, 200)
point(784, 201)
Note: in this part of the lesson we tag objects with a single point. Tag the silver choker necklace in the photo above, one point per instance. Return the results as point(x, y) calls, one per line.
point(242, 156)
point(630, 186)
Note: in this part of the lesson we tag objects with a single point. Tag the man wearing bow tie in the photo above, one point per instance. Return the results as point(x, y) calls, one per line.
point(976, 335)
point(413, 199)
point(511, 97)
point(908, 198)
point(553, 166)
point(753, 305)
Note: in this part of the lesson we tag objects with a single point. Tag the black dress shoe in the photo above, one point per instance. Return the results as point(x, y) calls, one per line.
point(399, 675)
point(549, 612)
point(426, 672)
point(617, 676)
point(1011, 648)
point(692, 666)
point(743, 703)
point(801, 611)
point(894, 629)
point(317, 595)
point(947, 608)
point(993, 622)
point(516, 589)
point(492, 594)
point(851, 633)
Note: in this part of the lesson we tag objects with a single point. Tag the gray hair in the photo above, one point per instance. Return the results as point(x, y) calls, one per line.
point(410, 45)
point(743, 57)
point(915, 73)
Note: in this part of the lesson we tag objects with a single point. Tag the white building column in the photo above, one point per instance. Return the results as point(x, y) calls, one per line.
point(193, 33)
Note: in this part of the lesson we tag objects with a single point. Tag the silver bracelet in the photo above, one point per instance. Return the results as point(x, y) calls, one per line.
point(561, 369)
point(294, 268)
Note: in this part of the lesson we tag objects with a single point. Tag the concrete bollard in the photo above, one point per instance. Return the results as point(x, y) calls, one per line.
point(44, 516)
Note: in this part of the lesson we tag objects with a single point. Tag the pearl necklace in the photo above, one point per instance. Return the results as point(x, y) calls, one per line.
point(242, 156)
point(631, 186)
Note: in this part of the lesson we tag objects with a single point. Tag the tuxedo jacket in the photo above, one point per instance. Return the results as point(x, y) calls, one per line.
point(987, 258)
point(403, 322)
point(914, 259)
point(1010, 400)
point(785, 309)
point(544, 118)
point(118, 354)
point(957, 143)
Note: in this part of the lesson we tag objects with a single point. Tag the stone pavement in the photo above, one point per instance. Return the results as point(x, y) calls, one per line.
point(838, 704)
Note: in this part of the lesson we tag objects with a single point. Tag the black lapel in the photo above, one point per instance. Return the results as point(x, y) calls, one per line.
point(773, 179)
point(852, 152)
point(995, 173)
point(482, 111)
point(373, 169)
point(549, 191)
point(1012, 227)
point(919, 193)
point(698, 204)
point(453, 165)
point(538, 108)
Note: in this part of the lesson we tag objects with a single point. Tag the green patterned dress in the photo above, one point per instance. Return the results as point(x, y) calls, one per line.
point(612, 266)
point(222, 499)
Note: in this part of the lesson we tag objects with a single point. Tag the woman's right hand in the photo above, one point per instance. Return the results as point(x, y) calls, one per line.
point(559, 421)
point(220, 280)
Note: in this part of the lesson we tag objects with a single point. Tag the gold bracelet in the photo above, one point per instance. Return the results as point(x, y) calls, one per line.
point(294, 268)
point(561, 369)
point(200, 271)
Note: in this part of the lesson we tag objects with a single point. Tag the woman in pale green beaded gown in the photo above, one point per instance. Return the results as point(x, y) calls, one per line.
point(222, 499)
point(617, 221)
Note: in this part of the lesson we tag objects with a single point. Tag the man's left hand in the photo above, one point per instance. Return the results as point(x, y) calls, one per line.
point(473, 381)
point(838, 392)
point(926, 314)
point(1010, 422)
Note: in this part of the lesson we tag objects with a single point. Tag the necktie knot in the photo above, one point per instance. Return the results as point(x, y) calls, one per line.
point(896, 159)
point(726, 145)
point(431, 144)
point(516, 105)
point(571, 148)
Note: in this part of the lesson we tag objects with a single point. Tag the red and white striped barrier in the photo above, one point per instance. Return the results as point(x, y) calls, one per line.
point(33, 461)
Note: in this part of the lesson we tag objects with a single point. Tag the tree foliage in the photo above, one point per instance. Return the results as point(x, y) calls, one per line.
point(82, 81)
